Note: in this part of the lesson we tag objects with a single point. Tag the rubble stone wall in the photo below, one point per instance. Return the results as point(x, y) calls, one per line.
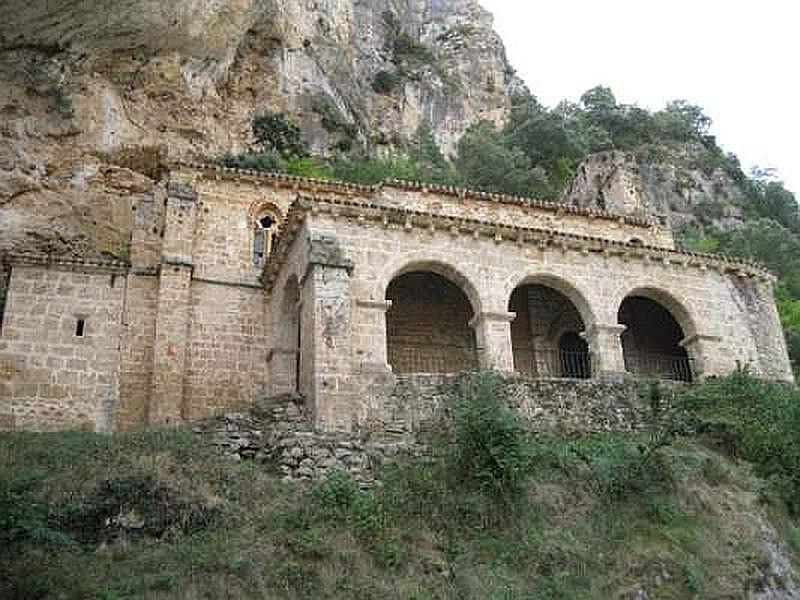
point(281, 433)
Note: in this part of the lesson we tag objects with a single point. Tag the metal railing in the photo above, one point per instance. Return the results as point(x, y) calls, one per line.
point(538, 364)
point(432, 358)
point(663, 366)
point(565, 364)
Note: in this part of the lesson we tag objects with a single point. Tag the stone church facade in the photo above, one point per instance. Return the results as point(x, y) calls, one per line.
point(242, 286)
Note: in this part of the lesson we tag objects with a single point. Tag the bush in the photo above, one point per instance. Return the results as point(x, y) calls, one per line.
point(308, 166)
point(258, 161)
point(756, 421)
point(386, 82)
point(131, 507)
point(275, 133)
point(488, 448)
point(406, 49)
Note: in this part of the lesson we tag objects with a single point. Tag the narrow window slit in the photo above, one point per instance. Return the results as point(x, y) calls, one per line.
point(80, 328)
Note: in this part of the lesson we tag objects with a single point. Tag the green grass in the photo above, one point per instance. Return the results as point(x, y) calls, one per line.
point(591, 517)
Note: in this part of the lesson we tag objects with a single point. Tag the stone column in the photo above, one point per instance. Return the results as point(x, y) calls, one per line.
point(605, 345)
point(372, 339)
point(326, 344)
point(173, 307)
point(493, 338)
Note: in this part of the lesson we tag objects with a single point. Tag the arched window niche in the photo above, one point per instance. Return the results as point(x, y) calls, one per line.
point(265, 227)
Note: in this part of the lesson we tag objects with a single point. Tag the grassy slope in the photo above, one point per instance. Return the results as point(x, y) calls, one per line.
point(583, 524)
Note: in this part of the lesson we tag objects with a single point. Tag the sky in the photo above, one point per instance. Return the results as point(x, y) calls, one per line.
point(738, 59)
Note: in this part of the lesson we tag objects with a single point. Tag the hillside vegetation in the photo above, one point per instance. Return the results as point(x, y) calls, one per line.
point(704, 504)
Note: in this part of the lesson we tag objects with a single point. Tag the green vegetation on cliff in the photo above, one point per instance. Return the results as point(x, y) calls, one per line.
point(705, 503)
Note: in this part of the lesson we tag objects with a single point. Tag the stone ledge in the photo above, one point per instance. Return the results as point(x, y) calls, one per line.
point(65, 262)
point(368, 212)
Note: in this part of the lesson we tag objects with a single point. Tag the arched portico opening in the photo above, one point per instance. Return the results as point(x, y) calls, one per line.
point(428, 325)
point(546, 333)
point(651, 342)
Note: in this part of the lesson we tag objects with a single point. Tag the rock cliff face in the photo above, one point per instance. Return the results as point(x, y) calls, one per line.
point(675, 186)
point(95, 94)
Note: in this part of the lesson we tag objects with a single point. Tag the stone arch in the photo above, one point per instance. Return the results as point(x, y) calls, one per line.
point(678, 309)
point(571, 291)
point(257, 209)
point(429, 321)
point(548, 310)
point(422, 262)
point(656, 327)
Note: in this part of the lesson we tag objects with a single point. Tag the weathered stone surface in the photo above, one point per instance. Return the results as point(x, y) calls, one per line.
point(674, 187)
point(87, 88)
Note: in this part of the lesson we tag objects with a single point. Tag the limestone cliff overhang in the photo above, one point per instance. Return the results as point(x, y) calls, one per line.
point(65, 263)
point(374, 214)
point(313, 187)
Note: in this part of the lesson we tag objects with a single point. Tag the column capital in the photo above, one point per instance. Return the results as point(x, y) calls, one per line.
point(699, 337)
point(496, 317)
point(600, 328)
point(383, 305)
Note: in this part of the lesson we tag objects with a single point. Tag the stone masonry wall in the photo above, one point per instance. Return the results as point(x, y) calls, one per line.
point(526, 215)
point(755, 301)
point(193, 327)
point(488, 270)
point(226, 354)
point(136, 360)
point(280, 432)
point(251, 190)
point(51, 378)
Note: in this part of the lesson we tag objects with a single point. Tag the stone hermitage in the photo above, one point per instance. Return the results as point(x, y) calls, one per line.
point(243, 286)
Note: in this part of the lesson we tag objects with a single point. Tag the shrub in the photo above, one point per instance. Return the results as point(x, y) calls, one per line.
point(756, 421)
point(406, 49)
point(275, 133)
point(339, 498)
point(386, 82)
point(258, 161)
point(308, 166)
point(488, 447)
